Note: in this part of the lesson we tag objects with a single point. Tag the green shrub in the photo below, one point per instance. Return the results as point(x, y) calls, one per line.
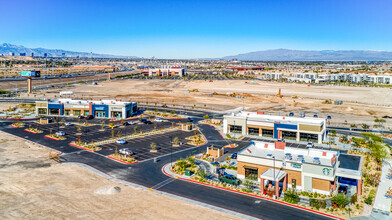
point(291, 197)
point(340, 199)
point(317, 203)
point(369, 200)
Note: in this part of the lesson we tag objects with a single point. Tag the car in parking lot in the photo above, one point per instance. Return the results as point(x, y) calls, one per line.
point(81, 116)
point(60, 133)
point(89, 117)
point(230, 179)
point(121, 141)
point(158, 120)
point(281, 140)
point(309, 145)
point(234, 156)
point(131, 122)
point(189, 119)
point(67, 123)
point(125, 151)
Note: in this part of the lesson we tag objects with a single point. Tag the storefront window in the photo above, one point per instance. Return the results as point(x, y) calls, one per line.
point(86, 113)
point(66, 112)
point(42, 111)
point(289, 135)
point(253, 131)
point(235, 129)
point(251, 173)
point(54, 111)
point(308, 137)
point(267, 132)
point(76, 112)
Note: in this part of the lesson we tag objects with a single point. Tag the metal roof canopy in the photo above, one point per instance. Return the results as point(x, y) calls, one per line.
point(269, 174)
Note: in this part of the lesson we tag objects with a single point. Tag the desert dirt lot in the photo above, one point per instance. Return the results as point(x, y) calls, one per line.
point(34, 187)
point(360, 104)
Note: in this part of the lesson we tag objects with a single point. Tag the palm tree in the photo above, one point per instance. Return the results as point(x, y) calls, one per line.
point(153, 146)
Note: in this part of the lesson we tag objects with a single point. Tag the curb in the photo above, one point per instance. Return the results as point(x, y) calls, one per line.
point(251, 195)
point(16, 126)
point(20, 118)
point(115, 120)
point(53, 138)
point(121, 160)
point(31, 131)
point(74, 145)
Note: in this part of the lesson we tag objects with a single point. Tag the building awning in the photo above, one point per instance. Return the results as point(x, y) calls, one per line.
point(269, 175)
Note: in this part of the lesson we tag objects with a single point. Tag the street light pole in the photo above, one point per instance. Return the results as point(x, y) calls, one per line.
point(171, 151)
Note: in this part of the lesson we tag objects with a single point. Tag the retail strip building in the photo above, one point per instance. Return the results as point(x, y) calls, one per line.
point(99, 109)
point(303, 169)
point(258, 124)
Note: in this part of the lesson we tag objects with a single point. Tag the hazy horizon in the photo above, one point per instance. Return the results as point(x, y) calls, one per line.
point(197, 29)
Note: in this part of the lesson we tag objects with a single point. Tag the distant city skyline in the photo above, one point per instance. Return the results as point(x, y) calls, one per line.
point(197, 29)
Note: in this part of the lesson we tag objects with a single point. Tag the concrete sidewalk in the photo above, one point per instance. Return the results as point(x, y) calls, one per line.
point(382, 203)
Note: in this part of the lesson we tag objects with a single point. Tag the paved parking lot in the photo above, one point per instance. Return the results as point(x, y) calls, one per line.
point(140, 146)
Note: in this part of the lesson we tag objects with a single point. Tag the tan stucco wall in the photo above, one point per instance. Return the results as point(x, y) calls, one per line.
point(321, 184)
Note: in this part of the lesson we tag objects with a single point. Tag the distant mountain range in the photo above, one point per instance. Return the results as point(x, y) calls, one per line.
point(313, 55)
point(6, 49)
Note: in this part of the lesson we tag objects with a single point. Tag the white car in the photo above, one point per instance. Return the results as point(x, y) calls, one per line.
point(309, 145)
point(68, 123)
point(121, 141)
point(60, 133)
point(131, 122)
point(125, 151)
point(158, 120)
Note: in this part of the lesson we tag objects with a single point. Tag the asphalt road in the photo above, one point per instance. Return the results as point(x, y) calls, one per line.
point(149, 174)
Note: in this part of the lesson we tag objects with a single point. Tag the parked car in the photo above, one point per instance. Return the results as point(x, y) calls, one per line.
point(158, 120)
point(121, 141)
point(281, 140)
point(148, 122)
point(125, 151)
point(67, 123)
point(234, 156)
point(189, 119)
point(60, 133)
point(81, 116)
point(342, 189)
point(309, 145)
point(230, 179)
point(143, 120)
point(131, 122)
point(89, 117)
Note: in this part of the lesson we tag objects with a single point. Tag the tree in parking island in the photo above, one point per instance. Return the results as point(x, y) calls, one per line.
point(153, 147)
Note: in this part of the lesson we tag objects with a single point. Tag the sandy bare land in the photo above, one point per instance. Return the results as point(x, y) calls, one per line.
point(33, 187)
point(361, 104)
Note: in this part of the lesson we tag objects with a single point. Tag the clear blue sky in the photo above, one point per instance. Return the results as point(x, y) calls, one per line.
point(196, 29)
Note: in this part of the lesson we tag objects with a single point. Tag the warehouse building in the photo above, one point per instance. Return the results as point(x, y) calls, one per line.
point(258, 124)
point(99, 109)
point(168, 71)
point(301, 169)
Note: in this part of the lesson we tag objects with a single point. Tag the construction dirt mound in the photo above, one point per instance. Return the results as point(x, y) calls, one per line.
point(108, 190)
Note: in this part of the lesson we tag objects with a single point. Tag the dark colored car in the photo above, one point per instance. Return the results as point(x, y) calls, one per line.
point(189, 119)
point(230, 179)
point(89, 117)
point(148, 122)
point(342, 189)
point(234, 156)
point(81, 116)
point(143, 120)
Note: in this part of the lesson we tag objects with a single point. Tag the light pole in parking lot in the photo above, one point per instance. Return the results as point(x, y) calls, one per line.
point(171, 151)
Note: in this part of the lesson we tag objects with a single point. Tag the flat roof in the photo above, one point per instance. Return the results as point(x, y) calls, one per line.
point(269, 174)
point(263, 149)
point(351, 162)
point(86, 102)
point(254, 116)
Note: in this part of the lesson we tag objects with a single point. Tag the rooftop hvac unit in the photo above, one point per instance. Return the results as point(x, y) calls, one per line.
point(300, 158)
point(269, 155)
point(287, 156)
point(316, 160)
